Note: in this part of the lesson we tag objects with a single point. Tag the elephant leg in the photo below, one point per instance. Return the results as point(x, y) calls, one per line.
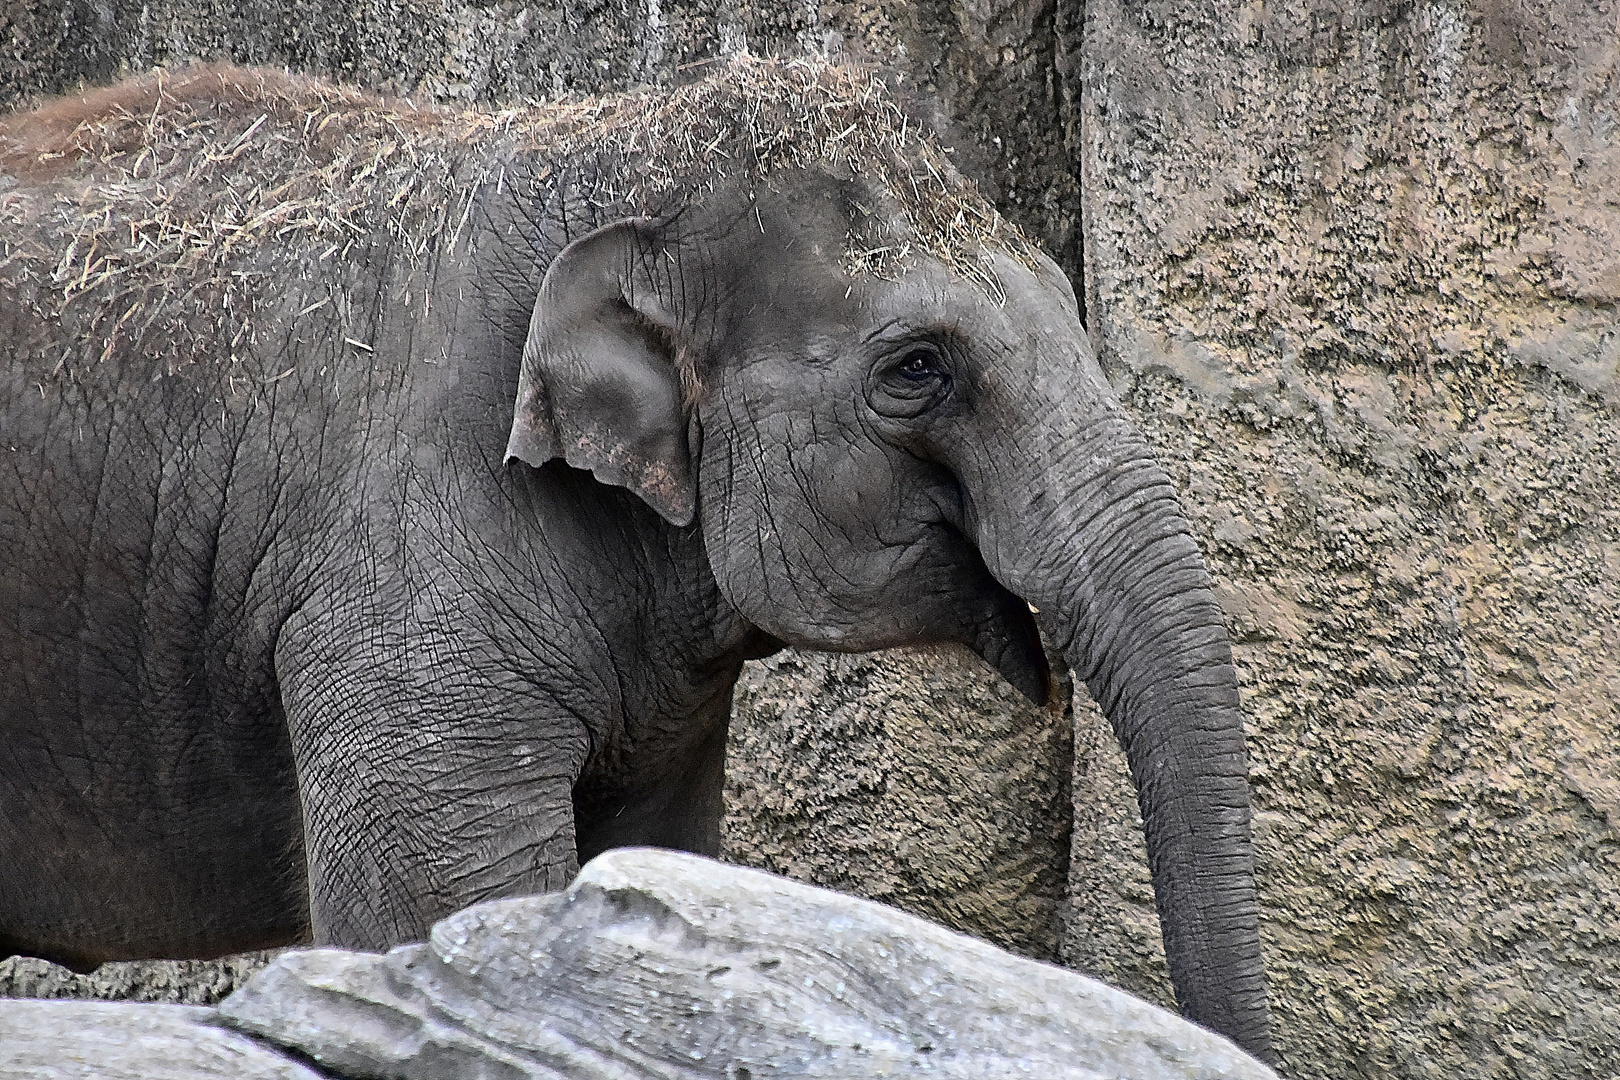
point(674, 801)
point(425, 786)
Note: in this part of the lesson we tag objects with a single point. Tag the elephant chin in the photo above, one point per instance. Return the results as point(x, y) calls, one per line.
point(1009, 641)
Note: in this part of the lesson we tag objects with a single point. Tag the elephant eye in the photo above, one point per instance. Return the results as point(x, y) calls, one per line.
point(910, 382)
point(920, 365)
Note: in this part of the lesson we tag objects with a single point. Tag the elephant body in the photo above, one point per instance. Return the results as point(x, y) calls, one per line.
point(310, 632)
point(198, 546)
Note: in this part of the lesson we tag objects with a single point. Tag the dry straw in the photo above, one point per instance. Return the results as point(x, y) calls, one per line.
point(184, 186)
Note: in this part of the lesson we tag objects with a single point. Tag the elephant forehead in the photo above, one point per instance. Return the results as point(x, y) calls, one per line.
point(787, 400)
point(833, 252)
point(929, 297)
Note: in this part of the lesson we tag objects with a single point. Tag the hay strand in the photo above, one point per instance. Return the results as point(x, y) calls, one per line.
point(170, 191)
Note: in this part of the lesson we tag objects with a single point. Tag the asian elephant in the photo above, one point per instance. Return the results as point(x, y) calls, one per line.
point(389, 498)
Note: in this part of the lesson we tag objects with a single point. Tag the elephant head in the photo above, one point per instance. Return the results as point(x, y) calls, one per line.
point(915, 455)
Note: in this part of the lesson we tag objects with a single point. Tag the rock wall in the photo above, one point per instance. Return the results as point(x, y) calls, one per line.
point(915, 777)
point(174, 982)
point(1352, 264)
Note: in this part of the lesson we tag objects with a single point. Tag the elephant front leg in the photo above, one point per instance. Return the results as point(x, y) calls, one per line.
point(423, 792)
point(663, 796)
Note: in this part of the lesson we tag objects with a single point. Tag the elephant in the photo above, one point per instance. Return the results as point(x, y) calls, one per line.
point(391, 496)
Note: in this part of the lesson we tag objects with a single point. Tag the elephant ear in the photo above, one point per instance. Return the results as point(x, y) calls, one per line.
point(599, 386)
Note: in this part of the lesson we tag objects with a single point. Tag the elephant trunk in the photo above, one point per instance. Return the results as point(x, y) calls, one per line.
point(1120, 585)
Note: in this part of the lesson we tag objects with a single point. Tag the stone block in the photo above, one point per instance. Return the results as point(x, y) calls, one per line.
point(661, 964)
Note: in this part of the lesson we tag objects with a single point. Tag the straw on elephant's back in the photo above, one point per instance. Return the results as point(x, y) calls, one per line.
point(147, 194)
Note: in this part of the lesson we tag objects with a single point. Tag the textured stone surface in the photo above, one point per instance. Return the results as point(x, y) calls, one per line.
point(912, 777)
point(1353, 265)
point(185, 982)
point(105, 1040)
point(662, 964)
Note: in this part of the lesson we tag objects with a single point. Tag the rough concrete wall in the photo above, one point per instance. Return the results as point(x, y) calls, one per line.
point(179, 982)
point(915, 777)
point(1356, 267)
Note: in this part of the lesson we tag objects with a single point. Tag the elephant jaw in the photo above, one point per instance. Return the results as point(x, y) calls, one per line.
point(1009, 641)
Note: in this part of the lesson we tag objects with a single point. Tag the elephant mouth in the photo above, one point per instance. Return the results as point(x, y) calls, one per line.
point(1008, 639)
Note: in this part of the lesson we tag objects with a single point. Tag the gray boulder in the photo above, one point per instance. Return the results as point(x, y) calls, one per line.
point(108, 1040)
point(652, 964)
point(662, 964)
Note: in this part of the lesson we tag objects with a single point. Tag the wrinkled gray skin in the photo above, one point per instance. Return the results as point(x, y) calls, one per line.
point(358, 653)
